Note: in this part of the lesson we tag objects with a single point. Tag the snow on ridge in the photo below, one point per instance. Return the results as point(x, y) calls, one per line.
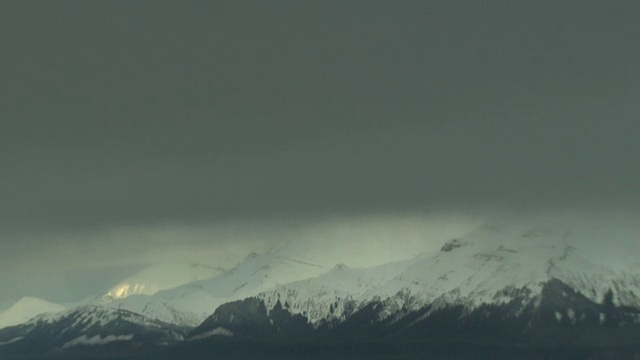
point(87, 316)
point(153, 308)
point(11, 341)
point(96, 340)
point(217, 331)
point(333, 295)
point(491, 265)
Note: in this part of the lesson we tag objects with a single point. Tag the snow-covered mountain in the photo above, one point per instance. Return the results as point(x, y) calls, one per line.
point(190, 304)
point(517, 270)
point(86, 326)
point(480, 268)
point(551, 282)
point(335, 294)
point(148, 281)
point(483, 266)
point(26, 309)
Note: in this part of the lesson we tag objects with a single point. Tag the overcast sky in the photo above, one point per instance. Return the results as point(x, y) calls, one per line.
point(124, 118)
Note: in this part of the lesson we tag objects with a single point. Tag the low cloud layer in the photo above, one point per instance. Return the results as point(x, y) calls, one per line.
point(121, 116)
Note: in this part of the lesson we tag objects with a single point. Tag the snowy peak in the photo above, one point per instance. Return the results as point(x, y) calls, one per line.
point(26, 309)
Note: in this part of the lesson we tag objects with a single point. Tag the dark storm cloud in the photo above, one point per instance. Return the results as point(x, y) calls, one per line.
point(128, 113)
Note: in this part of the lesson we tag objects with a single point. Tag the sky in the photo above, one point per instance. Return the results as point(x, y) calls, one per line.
point(133, 131)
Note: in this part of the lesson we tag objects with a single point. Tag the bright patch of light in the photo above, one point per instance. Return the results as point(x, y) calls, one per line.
point(124, 290)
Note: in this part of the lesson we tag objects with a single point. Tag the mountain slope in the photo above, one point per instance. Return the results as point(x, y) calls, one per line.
point(333, 295)
point(482, 267)
point(86, 326)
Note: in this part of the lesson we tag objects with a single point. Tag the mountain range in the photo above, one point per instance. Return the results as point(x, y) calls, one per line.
point(501, 286)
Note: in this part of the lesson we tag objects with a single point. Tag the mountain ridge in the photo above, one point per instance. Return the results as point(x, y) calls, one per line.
point(515, 285)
